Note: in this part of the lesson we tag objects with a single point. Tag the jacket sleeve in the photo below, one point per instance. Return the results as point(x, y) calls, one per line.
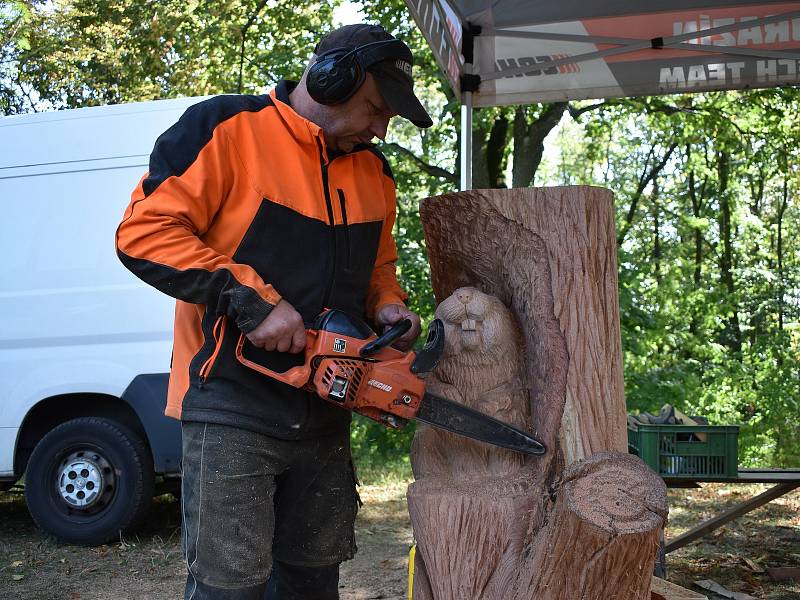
point(383, 287)
point(160, 238)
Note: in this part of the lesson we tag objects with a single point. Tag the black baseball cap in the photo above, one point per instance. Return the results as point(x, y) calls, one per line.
point(392, 76)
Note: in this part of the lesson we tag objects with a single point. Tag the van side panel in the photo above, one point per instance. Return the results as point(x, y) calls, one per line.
point(8, 439)
point(72, 318)
point(147, 395)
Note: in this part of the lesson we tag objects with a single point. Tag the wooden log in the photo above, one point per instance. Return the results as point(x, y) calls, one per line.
point(665, 590)
point(601, 535)
point(527, 286)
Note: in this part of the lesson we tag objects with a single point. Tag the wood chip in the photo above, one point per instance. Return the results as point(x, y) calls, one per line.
point(753, 565)
point(713, 586)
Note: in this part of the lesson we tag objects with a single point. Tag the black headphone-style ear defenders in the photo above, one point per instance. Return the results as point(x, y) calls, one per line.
point(338, 73)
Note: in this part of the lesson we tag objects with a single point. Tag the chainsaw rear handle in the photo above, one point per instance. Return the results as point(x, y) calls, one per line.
point(296, 376)
point(396, 331)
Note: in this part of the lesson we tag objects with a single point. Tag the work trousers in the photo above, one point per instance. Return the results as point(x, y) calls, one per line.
point(254, 505)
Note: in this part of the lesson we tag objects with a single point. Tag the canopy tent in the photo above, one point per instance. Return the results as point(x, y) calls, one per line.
point(524, 51)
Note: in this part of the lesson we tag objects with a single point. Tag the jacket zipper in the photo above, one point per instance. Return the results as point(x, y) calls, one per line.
point(218, 332)
point(340, 191)
point(329, 204)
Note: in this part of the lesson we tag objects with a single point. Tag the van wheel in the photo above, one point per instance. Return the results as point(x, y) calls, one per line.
point(89, 479)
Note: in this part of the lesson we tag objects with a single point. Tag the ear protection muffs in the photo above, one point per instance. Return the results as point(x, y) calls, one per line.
point(338, 73)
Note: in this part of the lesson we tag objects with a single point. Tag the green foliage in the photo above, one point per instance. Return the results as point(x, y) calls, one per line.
point(708, 298)
point(87, 52)
point(376, 447)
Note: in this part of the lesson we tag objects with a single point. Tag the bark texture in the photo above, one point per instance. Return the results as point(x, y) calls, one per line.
point(527, 285)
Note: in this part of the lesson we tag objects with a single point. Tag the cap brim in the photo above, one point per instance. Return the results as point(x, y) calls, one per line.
point(399, 95)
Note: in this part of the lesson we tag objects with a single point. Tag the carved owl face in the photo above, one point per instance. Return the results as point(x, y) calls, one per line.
point(475, 322)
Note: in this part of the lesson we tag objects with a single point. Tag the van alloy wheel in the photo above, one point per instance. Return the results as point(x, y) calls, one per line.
point(85, 480)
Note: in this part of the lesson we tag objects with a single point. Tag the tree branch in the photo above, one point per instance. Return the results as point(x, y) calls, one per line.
point(577, 112)
point(423, 166)
point(643, 181)
point(245, 27)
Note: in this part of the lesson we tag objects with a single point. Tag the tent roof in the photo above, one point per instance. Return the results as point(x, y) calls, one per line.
point(504, 13)
point(527, 51)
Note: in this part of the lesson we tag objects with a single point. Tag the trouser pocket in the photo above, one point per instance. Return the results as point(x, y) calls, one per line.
point(227, 505)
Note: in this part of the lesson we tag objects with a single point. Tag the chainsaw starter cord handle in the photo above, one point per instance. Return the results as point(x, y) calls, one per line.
point(396, 331)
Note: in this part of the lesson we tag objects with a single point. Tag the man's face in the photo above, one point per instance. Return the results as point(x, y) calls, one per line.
point(363, 117)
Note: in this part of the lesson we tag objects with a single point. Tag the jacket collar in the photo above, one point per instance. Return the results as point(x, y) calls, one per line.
point(303, 129)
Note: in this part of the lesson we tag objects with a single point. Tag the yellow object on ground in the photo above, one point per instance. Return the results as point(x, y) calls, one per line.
point(411, 553)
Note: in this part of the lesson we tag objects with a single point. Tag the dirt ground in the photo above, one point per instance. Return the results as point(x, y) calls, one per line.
point(148, 564)
point(737, 554)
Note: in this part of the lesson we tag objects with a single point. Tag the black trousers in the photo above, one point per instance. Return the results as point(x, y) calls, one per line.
point(287, 582)
point(254, 505)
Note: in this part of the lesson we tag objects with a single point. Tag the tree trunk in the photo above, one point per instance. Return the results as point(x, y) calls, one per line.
point(733, 334)
point(582, 521)
point(656, 209)
point(529, 141)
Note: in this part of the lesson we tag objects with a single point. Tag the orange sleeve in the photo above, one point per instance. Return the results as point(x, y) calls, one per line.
point(160, 237)
point(383, 287)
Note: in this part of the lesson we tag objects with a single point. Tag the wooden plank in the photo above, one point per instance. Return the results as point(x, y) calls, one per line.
point(744, 476)
point(730, 514)
point(784, 573)
point(716, 588)
point(769, 475)
point(665, 590)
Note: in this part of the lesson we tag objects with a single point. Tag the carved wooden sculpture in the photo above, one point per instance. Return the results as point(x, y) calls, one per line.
point(528, 287)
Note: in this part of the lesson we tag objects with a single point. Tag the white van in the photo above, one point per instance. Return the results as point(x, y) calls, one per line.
point(84, 345)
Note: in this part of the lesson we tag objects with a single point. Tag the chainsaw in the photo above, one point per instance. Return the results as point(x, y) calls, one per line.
point(350, 366)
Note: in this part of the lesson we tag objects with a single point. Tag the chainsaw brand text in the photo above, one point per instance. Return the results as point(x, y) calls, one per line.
point(379, 385)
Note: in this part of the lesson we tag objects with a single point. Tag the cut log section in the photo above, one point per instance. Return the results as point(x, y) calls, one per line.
point(527, 285)
point(664, 590)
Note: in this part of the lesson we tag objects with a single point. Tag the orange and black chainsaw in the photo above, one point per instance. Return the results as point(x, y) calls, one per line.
point(349, 365)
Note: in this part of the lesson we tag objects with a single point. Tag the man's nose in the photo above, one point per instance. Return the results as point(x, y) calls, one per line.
point(379, 127)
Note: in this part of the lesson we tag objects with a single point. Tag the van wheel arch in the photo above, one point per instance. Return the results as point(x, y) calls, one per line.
point(51, 412)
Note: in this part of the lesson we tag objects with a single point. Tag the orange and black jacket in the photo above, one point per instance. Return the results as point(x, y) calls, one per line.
point(243, 205)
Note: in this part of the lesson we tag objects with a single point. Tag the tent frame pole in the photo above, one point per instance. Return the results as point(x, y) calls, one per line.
point(469, 83)
point(466, 137)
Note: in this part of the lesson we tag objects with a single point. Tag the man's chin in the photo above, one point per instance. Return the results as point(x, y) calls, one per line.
point(349, 145)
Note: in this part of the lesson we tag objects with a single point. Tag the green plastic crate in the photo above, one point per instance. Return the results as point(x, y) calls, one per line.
point(676, 451)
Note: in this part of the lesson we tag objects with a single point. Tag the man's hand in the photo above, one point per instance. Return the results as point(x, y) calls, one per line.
point(389, 314)
point(283, 330)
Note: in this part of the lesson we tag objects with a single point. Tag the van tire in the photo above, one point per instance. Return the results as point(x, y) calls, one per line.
point(112, 471)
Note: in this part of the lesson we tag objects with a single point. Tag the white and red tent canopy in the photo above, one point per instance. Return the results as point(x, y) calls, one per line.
point(523, 51)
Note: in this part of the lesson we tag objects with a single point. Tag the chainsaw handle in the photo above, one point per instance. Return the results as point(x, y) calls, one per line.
point(396, 331)
point(427, 358)
point(296, 376)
